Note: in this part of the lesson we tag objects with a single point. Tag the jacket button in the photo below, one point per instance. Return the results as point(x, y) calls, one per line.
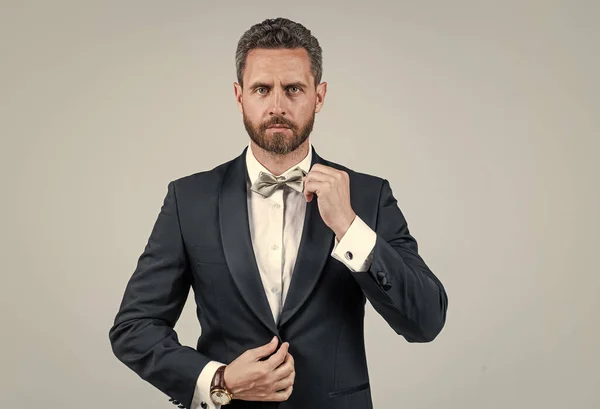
point(349, 255)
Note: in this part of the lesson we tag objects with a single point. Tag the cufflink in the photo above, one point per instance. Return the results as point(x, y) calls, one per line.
point(381, 277)
point(383, 281)
point(348, 255)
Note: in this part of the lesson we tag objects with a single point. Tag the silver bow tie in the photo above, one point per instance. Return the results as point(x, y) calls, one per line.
point(266, 183)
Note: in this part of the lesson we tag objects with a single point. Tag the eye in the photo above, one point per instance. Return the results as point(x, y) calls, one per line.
point(260, 89)
point(294, 90)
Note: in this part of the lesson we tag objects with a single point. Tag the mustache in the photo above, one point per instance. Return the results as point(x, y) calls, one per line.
point(278, 121)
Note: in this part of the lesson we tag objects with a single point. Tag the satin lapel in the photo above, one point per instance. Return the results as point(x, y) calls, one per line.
point(315, 247)
point(237, 242)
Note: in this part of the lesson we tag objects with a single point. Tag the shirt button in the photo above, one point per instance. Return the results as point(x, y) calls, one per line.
point(274, 246)
point(274, 290)
point(277, 205)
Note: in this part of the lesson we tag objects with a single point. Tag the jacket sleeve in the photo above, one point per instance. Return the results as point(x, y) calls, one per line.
point(399, 285)
point(142, 336)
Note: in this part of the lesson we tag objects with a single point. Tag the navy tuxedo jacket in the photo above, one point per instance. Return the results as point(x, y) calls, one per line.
point(201, 239)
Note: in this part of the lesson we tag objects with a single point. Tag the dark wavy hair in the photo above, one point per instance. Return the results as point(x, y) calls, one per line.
point(279, 33)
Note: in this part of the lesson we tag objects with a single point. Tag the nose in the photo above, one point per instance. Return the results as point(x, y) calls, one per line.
point(277, 103)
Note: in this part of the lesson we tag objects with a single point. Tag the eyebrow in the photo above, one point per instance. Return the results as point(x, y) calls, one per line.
point(298, 84)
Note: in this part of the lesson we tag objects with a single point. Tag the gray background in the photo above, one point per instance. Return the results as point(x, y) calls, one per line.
point(482, 115)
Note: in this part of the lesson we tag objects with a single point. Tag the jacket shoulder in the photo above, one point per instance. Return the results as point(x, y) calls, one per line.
point(207, 178)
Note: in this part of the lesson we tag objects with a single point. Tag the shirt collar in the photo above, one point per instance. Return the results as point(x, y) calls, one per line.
point(255, 167)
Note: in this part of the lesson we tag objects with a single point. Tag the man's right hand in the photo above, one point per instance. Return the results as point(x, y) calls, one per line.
point(249, 378)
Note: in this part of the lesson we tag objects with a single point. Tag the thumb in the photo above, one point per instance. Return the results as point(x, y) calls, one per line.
point(265, 350)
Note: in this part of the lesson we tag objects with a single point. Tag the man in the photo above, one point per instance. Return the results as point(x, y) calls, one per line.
point(282, 249)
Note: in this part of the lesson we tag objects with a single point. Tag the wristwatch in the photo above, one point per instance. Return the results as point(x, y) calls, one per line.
point(218, 390)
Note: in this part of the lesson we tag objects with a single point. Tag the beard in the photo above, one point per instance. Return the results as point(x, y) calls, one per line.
point(279, 143)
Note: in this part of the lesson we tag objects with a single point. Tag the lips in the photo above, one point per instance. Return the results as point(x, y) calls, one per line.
point(278, 126)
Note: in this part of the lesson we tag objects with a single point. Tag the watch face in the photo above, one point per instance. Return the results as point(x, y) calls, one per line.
point(220, 397)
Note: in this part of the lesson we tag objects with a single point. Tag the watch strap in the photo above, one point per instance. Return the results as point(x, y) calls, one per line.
point(218, 381)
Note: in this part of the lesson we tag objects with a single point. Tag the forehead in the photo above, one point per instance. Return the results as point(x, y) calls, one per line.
point(285, 64)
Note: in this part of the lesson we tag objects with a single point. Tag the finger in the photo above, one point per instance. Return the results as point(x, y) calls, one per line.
point(283, 395)
point(328, 170)
point(313, 187)
point(277, 358)
point(284, 383)
point(264, 350)
point(319, 176)
point(308, 194)
point(285, 369)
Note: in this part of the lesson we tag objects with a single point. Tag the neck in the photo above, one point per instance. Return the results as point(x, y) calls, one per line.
point(277, 164)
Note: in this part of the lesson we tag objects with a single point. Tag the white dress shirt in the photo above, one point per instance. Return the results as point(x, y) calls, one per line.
point(276, 224)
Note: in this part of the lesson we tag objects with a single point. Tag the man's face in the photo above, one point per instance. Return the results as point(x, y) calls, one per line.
point(279, 100)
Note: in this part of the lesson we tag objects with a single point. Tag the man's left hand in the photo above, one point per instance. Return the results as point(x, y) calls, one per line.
point(332, 188)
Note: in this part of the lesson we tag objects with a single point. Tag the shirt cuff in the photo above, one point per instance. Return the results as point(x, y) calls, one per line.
point(202, 389)
point(355, 249)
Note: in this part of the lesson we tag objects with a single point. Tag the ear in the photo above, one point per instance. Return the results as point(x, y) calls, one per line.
point(238, 91)
point(321, 91)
